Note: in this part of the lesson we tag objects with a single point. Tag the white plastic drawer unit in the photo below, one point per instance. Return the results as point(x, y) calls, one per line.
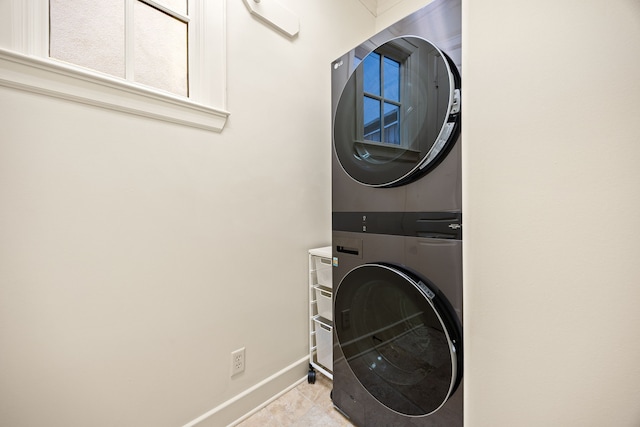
point(324, 341)
point(320, 313)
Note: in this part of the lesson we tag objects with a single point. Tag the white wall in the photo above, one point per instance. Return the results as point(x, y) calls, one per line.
point(135, 255)
point(551, 102)
point(551, 207)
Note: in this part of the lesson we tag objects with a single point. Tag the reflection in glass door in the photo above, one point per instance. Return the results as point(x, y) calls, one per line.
point(381, 99)
point(398, 114)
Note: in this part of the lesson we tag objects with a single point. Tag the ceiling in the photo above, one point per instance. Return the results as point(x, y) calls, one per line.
point(376, 7)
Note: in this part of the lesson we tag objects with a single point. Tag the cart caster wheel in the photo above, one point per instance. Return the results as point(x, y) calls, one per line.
point(331, 395)
point(311, 376)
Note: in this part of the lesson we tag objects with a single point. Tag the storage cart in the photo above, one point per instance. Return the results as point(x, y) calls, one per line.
point(320, 313)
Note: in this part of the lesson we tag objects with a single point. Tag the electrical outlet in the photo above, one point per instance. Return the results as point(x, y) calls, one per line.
point(237, 361)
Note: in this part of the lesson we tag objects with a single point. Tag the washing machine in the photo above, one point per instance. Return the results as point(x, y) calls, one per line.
point(396, 117)
point(397, 331)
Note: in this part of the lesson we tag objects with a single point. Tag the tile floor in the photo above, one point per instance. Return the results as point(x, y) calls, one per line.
point(306, 405)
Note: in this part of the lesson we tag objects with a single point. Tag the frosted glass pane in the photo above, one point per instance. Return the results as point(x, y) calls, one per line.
point(160, 50)
point(177, 5)
point(88, 33)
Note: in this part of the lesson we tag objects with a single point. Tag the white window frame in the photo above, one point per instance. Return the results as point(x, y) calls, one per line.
point(25, 65)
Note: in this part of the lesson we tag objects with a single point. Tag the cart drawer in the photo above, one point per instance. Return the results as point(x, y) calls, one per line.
point(324, 342)
point(323, 299)
point(323, 270)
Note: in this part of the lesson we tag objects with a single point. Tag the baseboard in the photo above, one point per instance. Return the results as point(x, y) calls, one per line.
point(250, 401)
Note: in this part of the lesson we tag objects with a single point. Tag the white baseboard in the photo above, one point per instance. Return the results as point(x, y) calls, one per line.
point(250, 401)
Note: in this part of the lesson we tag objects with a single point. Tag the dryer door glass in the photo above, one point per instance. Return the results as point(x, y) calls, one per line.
point(398, 113)
point(399, 337)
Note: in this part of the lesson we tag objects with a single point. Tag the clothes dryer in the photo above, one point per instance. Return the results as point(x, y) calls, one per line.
point(398, 350)
point(396, 116)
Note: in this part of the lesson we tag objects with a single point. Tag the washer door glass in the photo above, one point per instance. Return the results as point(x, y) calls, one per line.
point(398, 113)
point(399, 338)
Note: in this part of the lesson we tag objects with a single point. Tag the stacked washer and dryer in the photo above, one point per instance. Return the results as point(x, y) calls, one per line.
point(397, 224)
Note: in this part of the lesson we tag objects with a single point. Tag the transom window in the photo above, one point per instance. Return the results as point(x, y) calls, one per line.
point(160, 59)
point(142, 41)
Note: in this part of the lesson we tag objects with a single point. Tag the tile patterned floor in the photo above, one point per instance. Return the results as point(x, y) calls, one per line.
point(306, 405)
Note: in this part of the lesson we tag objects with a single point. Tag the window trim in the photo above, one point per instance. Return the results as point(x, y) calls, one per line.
point(27, 67)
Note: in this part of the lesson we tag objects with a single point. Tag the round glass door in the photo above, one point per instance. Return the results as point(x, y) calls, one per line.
point(400, 338)
point(398, 114)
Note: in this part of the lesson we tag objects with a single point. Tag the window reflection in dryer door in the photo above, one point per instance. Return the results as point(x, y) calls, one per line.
point(393, 110)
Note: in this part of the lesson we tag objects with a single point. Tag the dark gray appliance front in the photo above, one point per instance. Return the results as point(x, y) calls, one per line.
point(397, 224)
point(398, 350)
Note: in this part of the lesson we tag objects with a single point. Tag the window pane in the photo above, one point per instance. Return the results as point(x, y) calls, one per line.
point(88, 33)
point(176, 5)
point(391, 79)
point(371, 70)
point(160, 50)
point(391, 124)
point(372, 119)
